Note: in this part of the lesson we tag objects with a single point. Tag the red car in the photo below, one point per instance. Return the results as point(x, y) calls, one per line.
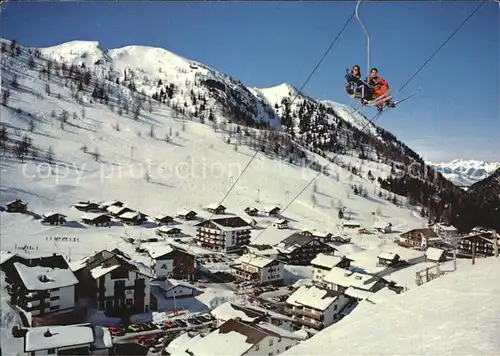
point(116, 331)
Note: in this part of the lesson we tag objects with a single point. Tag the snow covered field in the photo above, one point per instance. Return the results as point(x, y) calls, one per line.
point(164, 162)
point(193, 170)
point(456, 314)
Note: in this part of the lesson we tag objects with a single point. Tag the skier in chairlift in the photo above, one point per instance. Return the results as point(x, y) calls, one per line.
point(380, 90)
point(355, 86)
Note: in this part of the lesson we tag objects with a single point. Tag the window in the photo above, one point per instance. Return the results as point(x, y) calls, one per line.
point(129, 301)
point(257, 347)
point(51, 351)
point(54, 298)
point(271, 342)
point(55, 307)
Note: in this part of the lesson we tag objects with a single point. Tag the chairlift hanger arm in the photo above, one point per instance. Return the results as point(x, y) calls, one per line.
point(367, 38)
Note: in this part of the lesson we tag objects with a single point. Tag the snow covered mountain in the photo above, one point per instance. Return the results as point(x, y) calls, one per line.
point(465, 172)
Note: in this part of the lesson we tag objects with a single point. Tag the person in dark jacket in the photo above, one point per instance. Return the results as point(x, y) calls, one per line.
point(355, 86)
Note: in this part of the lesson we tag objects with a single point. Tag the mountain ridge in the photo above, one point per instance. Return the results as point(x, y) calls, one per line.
point(129, 77)
point(465, 172)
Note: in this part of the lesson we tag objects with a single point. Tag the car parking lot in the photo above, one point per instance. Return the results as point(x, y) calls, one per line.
point(193, 321)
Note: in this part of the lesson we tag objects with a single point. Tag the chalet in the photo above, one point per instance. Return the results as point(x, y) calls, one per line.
point(339, 279)
point(418, 238)
point(172, 262)
point(298, 249)
point(224, 234)
point(316, 307)
point(164, 219)
point(186, 214)
point(483, 245)
point(168, 231)
point(271, 211)
point(42, 286)
point(17, 206)
point(132, 218)
point(116, 211)
point(61, 340)
point(53, 218)
point(237, 338)
point(435, 255)
point(388, 259)
point(252, 222)
point(323, 263)
point(281, 224)
point(88, 207)
point(250, 313)
point(321, 236)
point(258, 269)
point(173, 288)
point(106, 204)
point(252, 211)
point(96, 219)
point(445, 230)
point(215, 208)
point(114, 281)
point(382, 227)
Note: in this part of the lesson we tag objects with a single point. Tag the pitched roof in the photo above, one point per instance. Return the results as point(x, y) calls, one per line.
point(345, 278)
point(326, 260)
point(48, 337)
point(434, 254)
point(256, 261)
point(43, 278)
point(313, 297)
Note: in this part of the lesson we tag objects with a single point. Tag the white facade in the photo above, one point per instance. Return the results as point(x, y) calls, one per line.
point(445, 230)
point(163, 268)
point(268, 270)
point(272, 345)
point(109, 286)
point(59, 299)
point(179, 291)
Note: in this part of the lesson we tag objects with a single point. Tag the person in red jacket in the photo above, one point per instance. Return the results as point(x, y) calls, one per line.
point(380, 89)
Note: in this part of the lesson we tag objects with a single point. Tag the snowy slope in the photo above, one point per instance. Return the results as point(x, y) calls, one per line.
point(456, 314)
point(194, 168)
point(465, 172)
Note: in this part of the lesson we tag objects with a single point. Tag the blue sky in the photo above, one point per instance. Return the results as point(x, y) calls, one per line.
point(456, 114)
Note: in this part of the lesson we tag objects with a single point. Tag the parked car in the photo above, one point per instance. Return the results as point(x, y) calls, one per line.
point(114, 331)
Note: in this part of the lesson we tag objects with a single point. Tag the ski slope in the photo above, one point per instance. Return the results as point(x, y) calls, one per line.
point(456, 314)
point(195, 168)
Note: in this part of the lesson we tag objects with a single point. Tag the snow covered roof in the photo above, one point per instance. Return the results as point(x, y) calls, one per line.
point(313, 297)
point(358, 293)
point(163, 216)
point(167, 229)
point(130, 215)
point(5, 256)
point(387, 255)
point(280, 221)
point(115, 209)
point(317, 233)
point(100, 271)
point(346, 278)
point(43, 278)
point(434, 254)
point(233, 338)
point(444, 304)
point(214, 206)
point(326, 260)
point(183, 212)
point(158, 251)
point(446, 227)
point(256, 261)
point(48, 337)
point(109, 202)
point(52, 213)
point(229, 310)
point(174, 283)
point(92, 216)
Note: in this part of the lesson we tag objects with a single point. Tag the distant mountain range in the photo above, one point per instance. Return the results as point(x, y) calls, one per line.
point(464, 173)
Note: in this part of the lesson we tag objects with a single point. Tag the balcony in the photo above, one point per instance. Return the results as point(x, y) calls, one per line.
point(312, 314)
point(313, 324)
